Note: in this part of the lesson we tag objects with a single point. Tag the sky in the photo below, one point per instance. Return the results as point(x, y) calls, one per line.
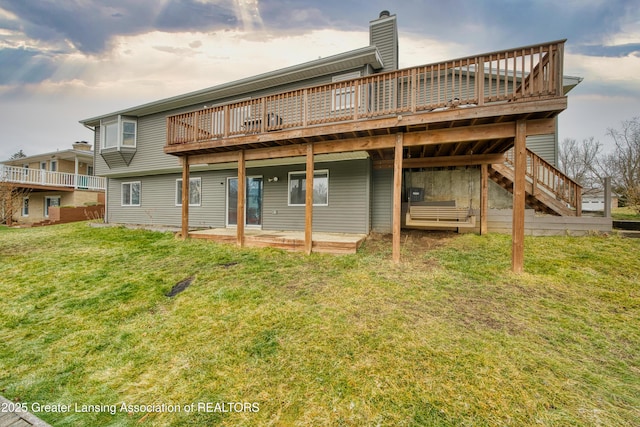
point(62, 61)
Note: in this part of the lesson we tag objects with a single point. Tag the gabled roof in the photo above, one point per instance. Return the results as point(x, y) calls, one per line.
point(330, 65)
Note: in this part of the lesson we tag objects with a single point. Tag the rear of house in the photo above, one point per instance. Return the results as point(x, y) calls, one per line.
point(353, 188)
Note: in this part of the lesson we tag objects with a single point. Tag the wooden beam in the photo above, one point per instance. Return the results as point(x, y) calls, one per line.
point(185, 197)
point(397, 197)
point(484, 197)
point(429, 137)
point(242, 185)
point(520, 165)
point(308, 203)
point(444, 161)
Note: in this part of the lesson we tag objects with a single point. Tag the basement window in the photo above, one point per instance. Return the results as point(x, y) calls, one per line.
point(131, 193)
point(298, 187)
point(195, 191)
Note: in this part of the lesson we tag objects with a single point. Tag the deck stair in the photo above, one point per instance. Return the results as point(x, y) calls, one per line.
point(547, 189)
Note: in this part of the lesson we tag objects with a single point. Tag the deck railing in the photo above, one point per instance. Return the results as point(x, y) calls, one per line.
point(546, 177)
point(504, 76)
point(26, 176)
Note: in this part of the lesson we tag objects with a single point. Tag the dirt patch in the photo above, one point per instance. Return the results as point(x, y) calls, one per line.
point(414, 243)
point(180, 286)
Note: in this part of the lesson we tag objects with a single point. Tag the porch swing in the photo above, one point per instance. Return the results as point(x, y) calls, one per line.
point(437, 214)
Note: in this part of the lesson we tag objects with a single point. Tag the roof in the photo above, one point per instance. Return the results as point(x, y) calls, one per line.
point(69, 154)
point(350, 60)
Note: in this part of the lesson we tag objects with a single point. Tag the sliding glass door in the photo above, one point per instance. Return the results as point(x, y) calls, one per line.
point(253, 201)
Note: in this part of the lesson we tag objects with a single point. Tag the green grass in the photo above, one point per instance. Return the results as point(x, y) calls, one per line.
point(449, 338)
point(625, 213)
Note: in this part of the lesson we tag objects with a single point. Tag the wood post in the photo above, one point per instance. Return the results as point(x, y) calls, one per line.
point(397, 197)
point(484, 197)
point(308, 203)
point(185, 197)
point(242, 185)
point(520, 164)
point(607, 197)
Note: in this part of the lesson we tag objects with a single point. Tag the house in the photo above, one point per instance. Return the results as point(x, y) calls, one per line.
point(340, 143)
point(35, 187)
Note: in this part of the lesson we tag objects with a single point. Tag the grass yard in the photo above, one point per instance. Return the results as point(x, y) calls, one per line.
point(449, 338)
point(625, 213)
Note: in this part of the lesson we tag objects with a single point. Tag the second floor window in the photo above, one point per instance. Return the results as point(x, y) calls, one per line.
point(118, 133)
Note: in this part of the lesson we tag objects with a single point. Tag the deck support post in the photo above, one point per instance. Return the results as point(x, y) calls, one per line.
point(308, 203)
point(397, 197)
point(607, 197)
point(242, 185)
point(484, 197)
point(520, 165)
point(185, 197)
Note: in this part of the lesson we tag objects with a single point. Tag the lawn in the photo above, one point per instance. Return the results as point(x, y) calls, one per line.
point(625, 213)
point(265, 337)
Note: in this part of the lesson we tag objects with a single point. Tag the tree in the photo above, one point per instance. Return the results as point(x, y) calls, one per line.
point(580, 162)
point(624, 162)
point(18, 155)
point(11, 200)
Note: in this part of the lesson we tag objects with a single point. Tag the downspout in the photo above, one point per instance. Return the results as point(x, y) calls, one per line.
point(106, 181)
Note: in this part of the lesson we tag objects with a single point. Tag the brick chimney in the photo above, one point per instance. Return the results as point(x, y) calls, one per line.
point(383, 33)
point(82, 146)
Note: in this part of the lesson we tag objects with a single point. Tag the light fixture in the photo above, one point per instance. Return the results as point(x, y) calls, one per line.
point(274, 179)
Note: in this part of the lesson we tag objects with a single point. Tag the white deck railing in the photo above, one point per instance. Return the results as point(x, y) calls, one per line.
point(26, 176)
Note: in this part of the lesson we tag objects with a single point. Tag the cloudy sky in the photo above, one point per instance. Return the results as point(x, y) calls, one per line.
point(66, 60)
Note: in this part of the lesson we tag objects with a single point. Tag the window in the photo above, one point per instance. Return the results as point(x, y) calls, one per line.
point(131, 194)
point(50, 201)
point(118, 133)
point(53, 166)
point(25, 206)
point(128, 133)
point(297, 188)
point(195, 191)
point(343, 98)
point(110, 135)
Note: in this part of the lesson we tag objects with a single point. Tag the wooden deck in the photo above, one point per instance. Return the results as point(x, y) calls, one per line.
point(466, 111)
point(19, 419)
point(333, 243)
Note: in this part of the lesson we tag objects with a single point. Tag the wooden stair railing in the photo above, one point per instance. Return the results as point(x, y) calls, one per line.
point(547, 188)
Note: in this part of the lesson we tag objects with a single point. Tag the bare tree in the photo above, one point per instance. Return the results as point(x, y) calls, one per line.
point(11, 200)
point(581, 161)
point(624, 162)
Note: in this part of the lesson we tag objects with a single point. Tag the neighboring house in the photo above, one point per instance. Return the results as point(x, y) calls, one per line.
point(594, 200)
point(363, 131)
point(45, 182)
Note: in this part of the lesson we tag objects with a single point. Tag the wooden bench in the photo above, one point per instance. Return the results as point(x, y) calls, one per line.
point(439, 216)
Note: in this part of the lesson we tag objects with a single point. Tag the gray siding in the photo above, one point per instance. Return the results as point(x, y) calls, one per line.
point(544, 146)
point(383, 33)
point(348, 209)
point(158, 201)
point(152, 129)
point(382, 201)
